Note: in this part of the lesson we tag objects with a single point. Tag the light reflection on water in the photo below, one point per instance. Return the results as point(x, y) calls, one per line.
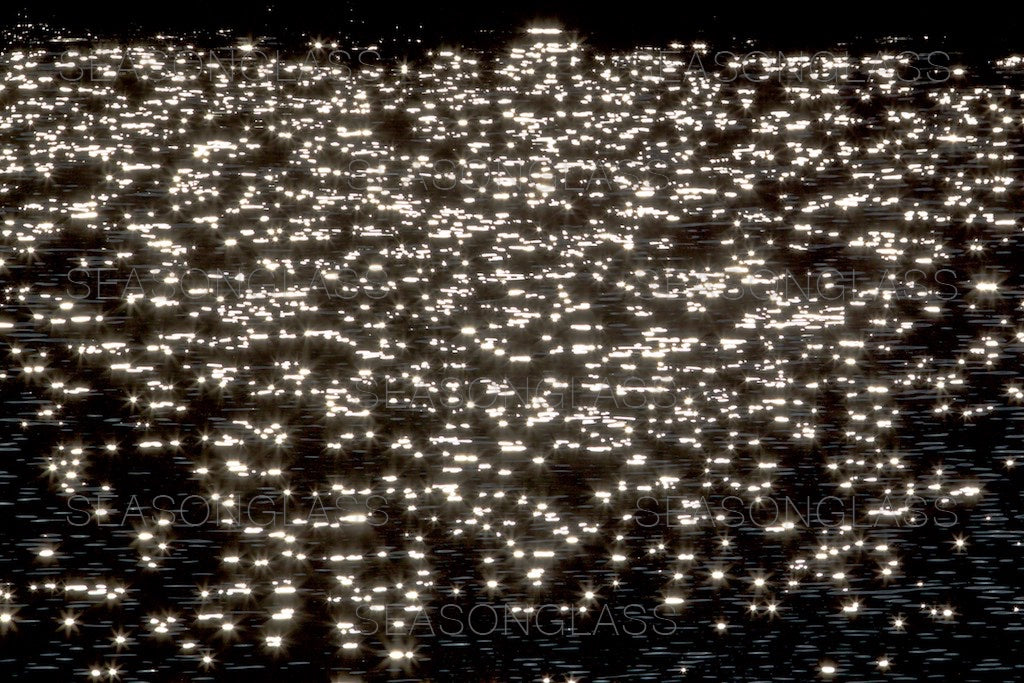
point(511, 330)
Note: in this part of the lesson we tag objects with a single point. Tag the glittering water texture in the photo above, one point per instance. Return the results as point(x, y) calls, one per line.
point(538, 363)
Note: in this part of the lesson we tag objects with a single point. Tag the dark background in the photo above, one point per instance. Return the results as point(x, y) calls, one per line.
point(979, 26)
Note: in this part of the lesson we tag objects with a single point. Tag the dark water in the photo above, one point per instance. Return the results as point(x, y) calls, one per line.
point(398, 355)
